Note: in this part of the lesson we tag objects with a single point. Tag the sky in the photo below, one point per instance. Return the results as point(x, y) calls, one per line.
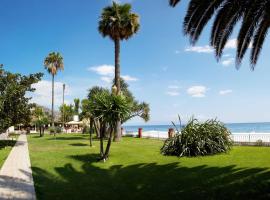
point(159, 64)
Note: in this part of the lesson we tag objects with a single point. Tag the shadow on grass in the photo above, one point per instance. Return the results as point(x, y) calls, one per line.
point(65, 138)
point(79, 144)
point(7, 143)
point(151, 181)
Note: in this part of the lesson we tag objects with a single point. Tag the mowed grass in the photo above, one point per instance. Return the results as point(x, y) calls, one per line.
point(5, 148)
point(65, 167)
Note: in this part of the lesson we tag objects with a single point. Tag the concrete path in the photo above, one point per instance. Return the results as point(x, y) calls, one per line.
point(16, 181)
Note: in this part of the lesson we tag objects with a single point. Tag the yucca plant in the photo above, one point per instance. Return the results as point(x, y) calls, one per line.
point(199, 139)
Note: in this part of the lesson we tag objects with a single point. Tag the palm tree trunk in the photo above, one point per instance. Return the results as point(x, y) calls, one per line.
point(53, 103)
point(91, 131)
point(117, 136)
point(106, 155)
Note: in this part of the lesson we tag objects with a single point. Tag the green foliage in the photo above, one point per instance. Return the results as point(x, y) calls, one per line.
point(68, 112)
point(14, 105)
point(110, 108)
point(76, 106)
point(54, 62)
point(252, 15)
point(118, 22)
point(139, 109)
point(52, 130)
point(199, 139)
point(58, 129)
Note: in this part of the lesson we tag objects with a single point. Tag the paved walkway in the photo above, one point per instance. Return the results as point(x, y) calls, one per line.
point(16, 181)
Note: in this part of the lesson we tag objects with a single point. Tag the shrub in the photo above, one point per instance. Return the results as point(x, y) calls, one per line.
point(199, 139)
point(58, 129)
point(52, 130)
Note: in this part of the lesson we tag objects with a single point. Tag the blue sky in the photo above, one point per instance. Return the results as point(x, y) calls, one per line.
point(159, 64)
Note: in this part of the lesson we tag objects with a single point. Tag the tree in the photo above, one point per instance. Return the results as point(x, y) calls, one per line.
point(53, 63)
point(255, 22)
point(40, 119)
point(68, 110)
point(118, 23)
point(103, 105)
point(76, 106)
point(14, 105)
point(107, 109)
point(86, 114)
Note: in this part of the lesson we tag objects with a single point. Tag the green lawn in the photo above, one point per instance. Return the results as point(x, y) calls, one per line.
point(66, 168)
point(4, 150)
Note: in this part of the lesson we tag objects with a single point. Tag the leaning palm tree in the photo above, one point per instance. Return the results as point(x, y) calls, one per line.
point(53, 63)
point(253, 14)
point(118, 23)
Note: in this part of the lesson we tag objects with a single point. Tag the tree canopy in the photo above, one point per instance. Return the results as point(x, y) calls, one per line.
point(14, 103)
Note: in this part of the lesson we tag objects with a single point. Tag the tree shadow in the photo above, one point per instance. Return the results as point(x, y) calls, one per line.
point(151, 181)
point(7, 143)
point(79, 144)
point(66, 138)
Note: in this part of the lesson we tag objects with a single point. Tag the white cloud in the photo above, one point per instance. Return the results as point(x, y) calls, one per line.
point(129, 78)
point(225, 92)
point(106, 79)
point(197, 91)
point(107, 73)
point(173, 93)
point(104, 70)
point(177, 52)
point(227, 55)
point(227, 62)
point(200, 49)
point(43, 93)
point(232, 43)
point(173, 87)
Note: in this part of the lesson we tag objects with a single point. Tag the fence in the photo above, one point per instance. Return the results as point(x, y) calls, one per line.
point(236, 137)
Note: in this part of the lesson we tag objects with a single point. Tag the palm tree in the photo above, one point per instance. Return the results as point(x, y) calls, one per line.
point(118, 23)
point(53, 63)
point(255, 22)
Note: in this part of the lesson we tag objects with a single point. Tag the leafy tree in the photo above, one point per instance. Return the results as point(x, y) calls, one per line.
point(14, 105)
point(253, 14)
point(101, 102)
point(118, 23)
point(53, 63)
point(40, 119)
point(68, 110)
point(107, 109)
point(76, 106)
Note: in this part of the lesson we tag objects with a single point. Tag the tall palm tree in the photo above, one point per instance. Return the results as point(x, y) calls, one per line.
point(53, 63)
point(118, 23)
point(253, 14)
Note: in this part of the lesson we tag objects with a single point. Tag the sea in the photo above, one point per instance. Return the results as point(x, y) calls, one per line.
point(261, 127)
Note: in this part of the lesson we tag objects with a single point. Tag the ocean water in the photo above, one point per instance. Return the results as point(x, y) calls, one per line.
point(262, 127)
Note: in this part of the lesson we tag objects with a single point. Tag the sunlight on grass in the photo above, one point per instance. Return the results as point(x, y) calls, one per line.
point(65, 167)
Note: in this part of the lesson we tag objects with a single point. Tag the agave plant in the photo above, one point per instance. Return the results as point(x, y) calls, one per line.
point(199, 139)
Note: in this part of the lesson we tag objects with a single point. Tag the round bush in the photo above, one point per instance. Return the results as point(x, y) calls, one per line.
point(199, 139)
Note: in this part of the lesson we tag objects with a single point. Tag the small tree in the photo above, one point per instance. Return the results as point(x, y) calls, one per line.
point(107, 109)
point(40, 119)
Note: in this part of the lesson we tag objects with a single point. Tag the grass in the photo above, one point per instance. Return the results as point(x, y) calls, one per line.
point(66, 168)
point(5, 148)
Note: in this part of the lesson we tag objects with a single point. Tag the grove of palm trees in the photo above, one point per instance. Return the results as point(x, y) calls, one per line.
point(127, 130)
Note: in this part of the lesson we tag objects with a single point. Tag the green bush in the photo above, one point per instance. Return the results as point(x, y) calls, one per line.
point(52, 130)
point(58, 129)
point(199, 139)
